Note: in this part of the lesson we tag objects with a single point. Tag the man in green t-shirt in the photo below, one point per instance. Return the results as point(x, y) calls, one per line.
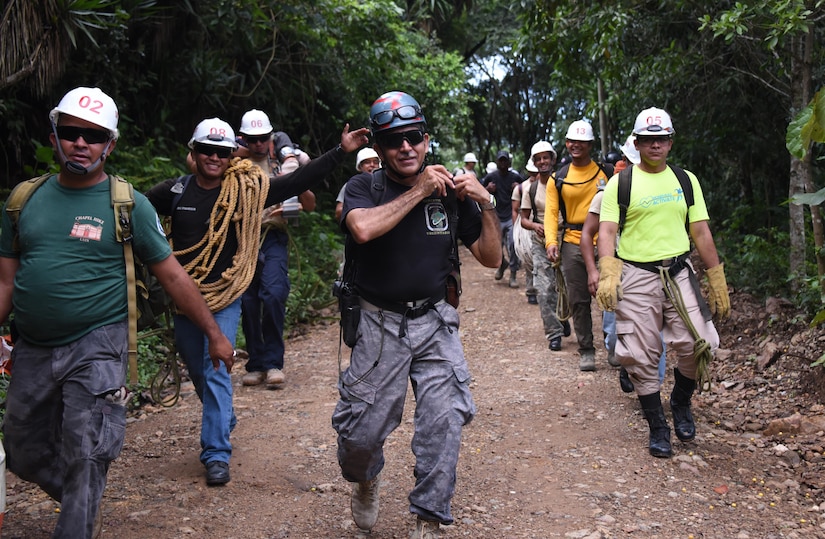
point(62, 271)
point(652, 258)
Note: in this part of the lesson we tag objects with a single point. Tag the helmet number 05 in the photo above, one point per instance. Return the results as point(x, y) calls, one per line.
point(86, 102)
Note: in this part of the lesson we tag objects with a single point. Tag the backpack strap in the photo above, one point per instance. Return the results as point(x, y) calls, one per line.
point(534, 187)
point(17, 199)
point(123, 200)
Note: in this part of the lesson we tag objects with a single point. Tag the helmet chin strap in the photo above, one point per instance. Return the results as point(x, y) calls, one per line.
point(73, 167)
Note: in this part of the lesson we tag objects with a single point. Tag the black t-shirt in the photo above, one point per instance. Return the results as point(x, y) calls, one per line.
point(190, 218)
point(504, 190)
point(411, 261)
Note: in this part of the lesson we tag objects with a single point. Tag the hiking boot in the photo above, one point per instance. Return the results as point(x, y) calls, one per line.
point(659, 443)
point(275, 377)
point(611, 359)
point(555, 344)
point(426, 529)
point(253, 378)
point(683, 423)
point(513, 280)
point(500, 270)
point(587, 362)
point(532, 299)
point(364, 503)
point(566, 327)
point(625, 382)
point(217, 473)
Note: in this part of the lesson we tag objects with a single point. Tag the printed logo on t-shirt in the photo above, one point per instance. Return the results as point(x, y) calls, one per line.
point(87, 228)
point(665, 198)
point(437, 218)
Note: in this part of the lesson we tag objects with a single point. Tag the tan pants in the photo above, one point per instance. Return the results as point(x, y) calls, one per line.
point(643, 312)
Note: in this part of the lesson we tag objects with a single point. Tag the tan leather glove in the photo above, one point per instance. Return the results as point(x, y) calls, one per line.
point(718, 297)
point(610, 283)
point(289, 166)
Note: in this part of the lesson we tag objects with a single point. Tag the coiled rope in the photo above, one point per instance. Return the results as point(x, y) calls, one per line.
point(563, 302)
point(240, 204)
point(701, 348)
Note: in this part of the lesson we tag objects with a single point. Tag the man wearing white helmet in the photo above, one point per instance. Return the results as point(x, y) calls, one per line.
point(366, 160)
point(263, 305)
point(216, 217)
point(651, 275)
point(63, 271)
point(469, 165)
point(535, 203)
point(576, 184)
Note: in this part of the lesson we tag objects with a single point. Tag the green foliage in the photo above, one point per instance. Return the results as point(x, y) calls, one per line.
point(315, 254)
point(808, 126)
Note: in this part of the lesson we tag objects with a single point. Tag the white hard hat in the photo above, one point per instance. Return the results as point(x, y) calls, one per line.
point(542, 146)
point(653, 122)
point(363, 155)
point(630, 151)
point(89, 104)
point(215, 132)
point(470, 158)
point(580, 130)
point(491, 166)
point(530, 167)
point(255, 122)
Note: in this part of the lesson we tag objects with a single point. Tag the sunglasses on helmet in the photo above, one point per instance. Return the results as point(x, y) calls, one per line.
point(396, 140)
point(407, 112)
point(208, 150)
point(91, 136)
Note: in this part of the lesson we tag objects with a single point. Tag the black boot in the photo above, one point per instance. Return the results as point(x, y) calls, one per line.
point(683, 423)
point(659, 444)
point(625, 382)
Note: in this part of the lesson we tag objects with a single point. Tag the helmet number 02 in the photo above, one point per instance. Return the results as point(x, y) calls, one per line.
point(87, 102)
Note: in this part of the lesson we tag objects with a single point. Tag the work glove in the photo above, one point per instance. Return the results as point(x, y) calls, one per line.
point(610, 283)
point(718, 297)
point(289, 165)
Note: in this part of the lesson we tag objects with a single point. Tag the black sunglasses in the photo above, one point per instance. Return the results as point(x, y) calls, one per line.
point(407, 112)
point(647, 139)
point(396, 140)
point(208, 150)
point(254, 139)
point(91, 136)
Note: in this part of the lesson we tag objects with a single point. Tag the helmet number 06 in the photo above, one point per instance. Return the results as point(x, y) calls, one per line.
point(87, 102)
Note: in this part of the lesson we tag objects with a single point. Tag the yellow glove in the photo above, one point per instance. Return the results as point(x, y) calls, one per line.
point(610, 283)
point(718, 297)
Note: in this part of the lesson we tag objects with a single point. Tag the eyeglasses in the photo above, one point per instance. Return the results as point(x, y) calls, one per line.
point(396, 140)
point(91, 136)
point(208, 150)
point(255, 139)
point(407, 112)
point(650, 140)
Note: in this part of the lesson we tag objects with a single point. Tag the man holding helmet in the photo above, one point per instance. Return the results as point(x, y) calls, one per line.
point(62, 270)
point(216, 222)
point(263, 305)
point(403, 235)
point(651, 274)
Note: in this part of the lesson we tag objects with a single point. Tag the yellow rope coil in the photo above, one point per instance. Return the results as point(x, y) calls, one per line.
point(240, 205)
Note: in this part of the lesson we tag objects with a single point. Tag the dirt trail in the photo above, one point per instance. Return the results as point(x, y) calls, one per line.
point(553, 452)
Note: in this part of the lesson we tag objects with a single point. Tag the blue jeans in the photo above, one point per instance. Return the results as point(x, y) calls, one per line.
point(214, 388)
point(60, 432)
point(264, 305)
point(609, 328)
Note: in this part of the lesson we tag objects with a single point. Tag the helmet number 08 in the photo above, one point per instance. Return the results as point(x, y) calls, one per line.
point(217, 131)
point(86, 102)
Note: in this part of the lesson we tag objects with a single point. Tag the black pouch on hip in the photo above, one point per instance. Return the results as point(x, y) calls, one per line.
point(350, 304)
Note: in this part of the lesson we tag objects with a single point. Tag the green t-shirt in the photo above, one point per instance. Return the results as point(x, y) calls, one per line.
point(72, 279)
point(655, 225)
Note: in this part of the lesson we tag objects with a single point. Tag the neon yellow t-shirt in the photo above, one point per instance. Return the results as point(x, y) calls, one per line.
point(655, 225)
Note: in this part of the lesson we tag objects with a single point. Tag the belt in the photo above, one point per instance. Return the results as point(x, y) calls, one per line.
point(672, 265)
point(410, 309)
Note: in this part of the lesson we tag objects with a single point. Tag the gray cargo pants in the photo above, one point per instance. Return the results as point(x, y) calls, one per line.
point(373, 395)
point(59, 430)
